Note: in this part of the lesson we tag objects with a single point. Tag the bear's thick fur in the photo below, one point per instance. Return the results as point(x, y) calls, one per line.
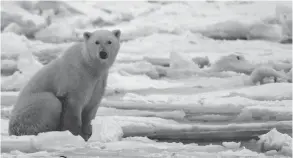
point(66, 93)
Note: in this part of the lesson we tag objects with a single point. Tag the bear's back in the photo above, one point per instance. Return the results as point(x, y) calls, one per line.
point(43, 79)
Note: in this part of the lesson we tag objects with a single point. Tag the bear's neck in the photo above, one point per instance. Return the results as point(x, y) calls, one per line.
point(92, 66)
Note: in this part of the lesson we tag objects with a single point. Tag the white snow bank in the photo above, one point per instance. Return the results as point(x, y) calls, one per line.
point(164, 45)
point(135, 8)
point(105, 130)
point(94, 12)
point(49, 141)
point(192, 45)
point(284, 15)
point(239, 153)
point(17, 153)
point(5, 112)
point(172, 114)
point(265, 31)
point(275, 140)
point(225, 21)
point(247, 104)
point(8, 66)
point(276, 91)
point(272, 91)
point(92, 15)
point(252, 24)
point(57, 33)
point(136, 126)
point(232, 30)
point(13, 27)
point(137, 68)
point(18, 46)
point(266, 113)
point(181, 66)
point(132, 82)
point(231, 145)
point(144, 143)
point(226, 30)
point(8, 98)
point(170, 129)
point(58, 7)
point(233, 62)
point(14, 82)
point(213, 109)
point(46, 52)
point(141, 139)
point(28, 66)
point(142, 147)
point(4, 127)
point(15, 18)
point(14, 13)
point(27, 47)
point(194, 13)
point(178, 61)
point(61, 141)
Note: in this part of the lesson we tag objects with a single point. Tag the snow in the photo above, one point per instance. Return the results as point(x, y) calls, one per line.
point(179, 62)
point(284, 15)
point(28, 66)
point(106, 130)
point(173, 114)
point(255, 93)
point(26, 18)
point(13, 27)
point(8, 66)
point(14, 82)
point(231, 145)
point(157, 97)
point(57, 33)
point(50, 141)
point(62, 140)
point(9, 49)
point(275, 140)
point(133, 82)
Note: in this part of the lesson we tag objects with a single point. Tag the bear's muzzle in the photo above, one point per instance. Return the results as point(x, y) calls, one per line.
point(103, 55)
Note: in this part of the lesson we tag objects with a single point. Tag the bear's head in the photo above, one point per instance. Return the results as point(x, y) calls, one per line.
point(102, 47)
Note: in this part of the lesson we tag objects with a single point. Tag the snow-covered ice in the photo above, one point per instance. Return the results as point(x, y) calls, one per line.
point(275, 140)
point(106, 130)
point(157, 96)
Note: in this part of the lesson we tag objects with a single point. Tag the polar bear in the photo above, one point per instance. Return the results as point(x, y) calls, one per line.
point(66, 93)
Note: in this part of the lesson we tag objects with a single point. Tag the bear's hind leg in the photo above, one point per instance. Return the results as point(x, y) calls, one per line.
point(41, 113)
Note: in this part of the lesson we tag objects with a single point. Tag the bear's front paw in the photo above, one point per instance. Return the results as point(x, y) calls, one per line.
point(74, 129)
point(71, 123)
point(86, 132)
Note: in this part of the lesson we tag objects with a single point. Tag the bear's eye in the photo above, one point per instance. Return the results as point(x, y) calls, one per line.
point(109, 42)
point(238, 58)
point(97, 42)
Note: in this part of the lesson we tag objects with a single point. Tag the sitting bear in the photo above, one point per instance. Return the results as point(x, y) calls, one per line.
point(66, 93)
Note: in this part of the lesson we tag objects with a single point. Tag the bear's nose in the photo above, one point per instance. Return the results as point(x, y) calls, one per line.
point(103, 55)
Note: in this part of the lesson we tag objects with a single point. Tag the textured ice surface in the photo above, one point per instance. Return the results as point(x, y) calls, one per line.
point(231, 145)
point(275, 140)
point(106, 130)
point(9, 49)
point(50, 141)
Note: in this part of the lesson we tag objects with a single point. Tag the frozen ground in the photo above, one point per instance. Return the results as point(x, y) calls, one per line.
point(159, 103)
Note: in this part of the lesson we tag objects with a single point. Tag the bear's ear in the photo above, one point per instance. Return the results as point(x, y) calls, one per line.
point(117, 33)
point(87, 35)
